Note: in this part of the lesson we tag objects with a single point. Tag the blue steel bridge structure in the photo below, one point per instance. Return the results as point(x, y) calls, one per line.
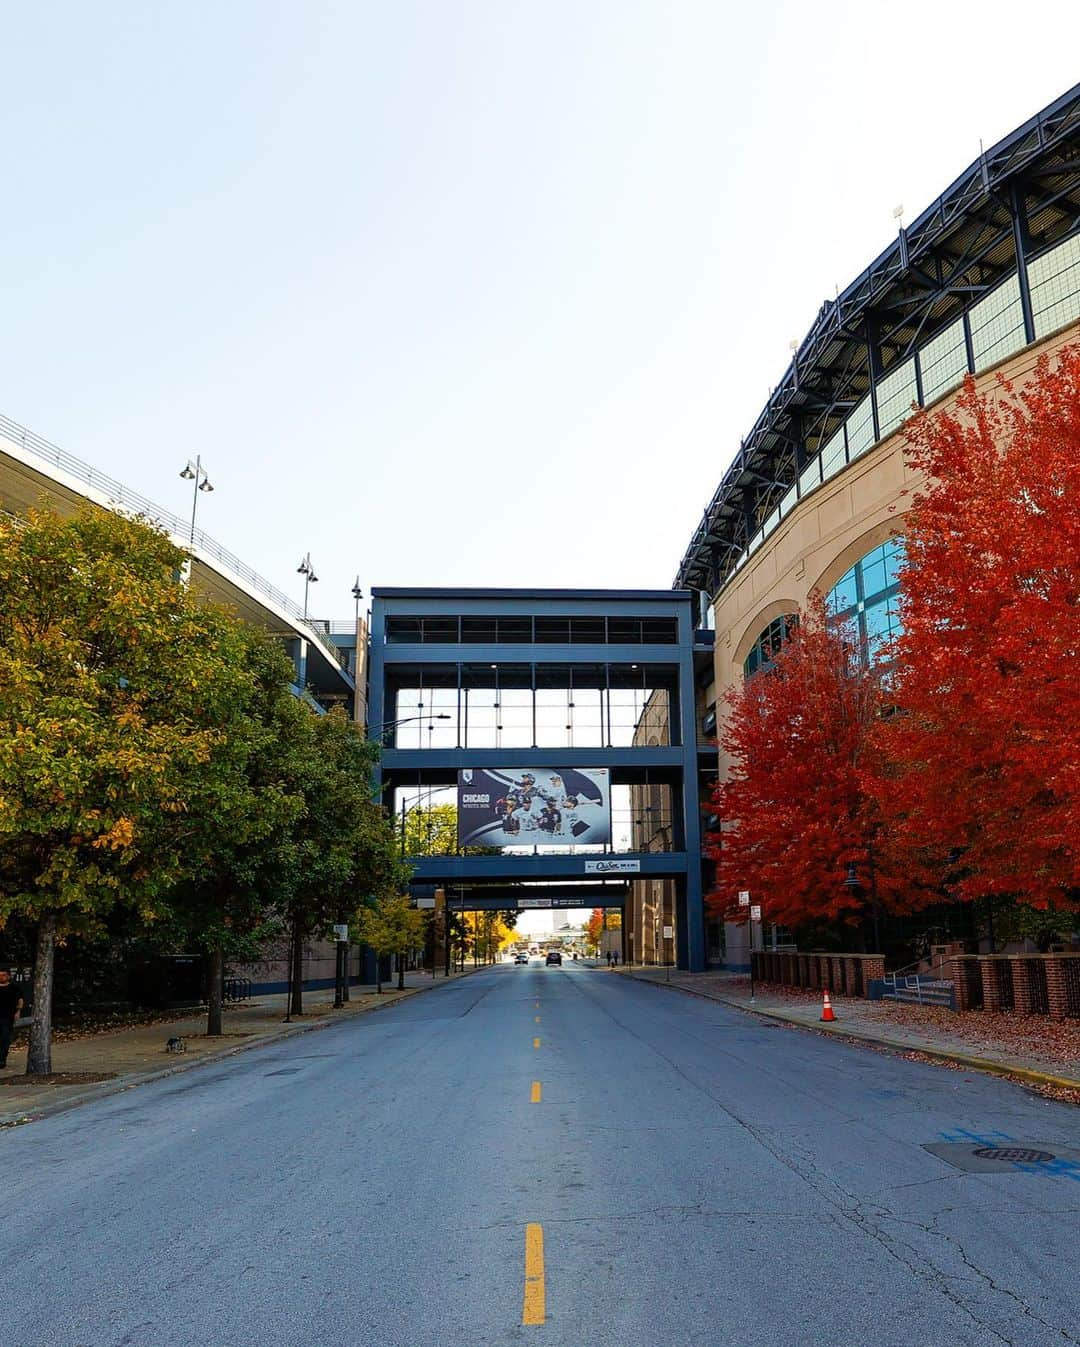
point(543, 681)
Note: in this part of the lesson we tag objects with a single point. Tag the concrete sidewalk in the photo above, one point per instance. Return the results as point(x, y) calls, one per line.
point(1031, 1048)
point(116, 1059)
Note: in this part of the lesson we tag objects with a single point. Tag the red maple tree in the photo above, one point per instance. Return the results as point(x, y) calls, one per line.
point(795, 816)
point(984, 760)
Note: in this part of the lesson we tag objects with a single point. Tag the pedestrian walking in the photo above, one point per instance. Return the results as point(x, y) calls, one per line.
point(615, 958)
point(609, 958)
point(11, 1004)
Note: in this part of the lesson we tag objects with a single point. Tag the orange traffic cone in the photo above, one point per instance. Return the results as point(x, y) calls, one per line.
point(827, 1016)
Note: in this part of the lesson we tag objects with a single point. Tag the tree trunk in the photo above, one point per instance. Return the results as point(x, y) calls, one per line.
point(345, 973)
point(215, 974)
point(378, 973)
point(39, 1057)
point(401, 973)
point(296, 1005)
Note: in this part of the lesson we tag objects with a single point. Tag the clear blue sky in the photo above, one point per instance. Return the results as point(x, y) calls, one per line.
point(462, 293)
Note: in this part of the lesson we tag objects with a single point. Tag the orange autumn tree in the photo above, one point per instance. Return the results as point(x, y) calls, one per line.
point(794, 810)
point(984, 759)
point(593, 928)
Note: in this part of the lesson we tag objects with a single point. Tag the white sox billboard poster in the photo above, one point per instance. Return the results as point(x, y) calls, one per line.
point(542, 806)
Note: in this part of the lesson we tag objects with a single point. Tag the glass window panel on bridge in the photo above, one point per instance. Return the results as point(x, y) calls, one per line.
point(541, 706)
point(514, 727)
point(415, 722)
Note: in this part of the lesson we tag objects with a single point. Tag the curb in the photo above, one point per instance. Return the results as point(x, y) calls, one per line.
point(986, 1064)
point(104, 1089)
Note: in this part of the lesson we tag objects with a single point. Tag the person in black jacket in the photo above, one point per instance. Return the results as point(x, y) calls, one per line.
point(11, 1003)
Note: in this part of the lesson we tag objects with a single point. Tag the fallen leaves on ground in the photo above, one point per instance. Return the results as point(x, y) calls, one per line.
point(1036, 1038)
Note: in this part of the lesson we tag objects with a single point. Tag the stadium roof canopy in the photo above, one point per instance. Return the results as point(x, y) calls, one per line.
point(1017, 199)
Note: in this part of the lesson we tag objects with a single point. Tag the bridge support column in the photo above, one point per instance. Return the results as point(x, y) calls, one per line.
point(689, 923)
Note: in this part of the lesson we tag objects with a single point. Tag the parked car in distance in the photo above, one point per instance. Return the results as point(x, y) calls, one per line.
point(553, 956)
point(521, 958)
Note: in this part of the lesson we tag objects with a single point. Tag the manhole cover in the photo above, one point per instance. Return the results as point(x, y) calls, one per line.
point(988, 1159)
point(1017, 1155)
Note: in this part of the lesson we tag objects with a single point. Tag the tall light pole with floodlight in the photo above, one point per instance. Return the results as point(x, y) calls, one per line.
point(195, 472)
point(307, 570)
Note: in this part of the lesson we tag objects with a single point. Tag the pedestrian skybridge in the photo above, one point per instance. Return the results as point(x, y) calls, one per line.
point(540, 747)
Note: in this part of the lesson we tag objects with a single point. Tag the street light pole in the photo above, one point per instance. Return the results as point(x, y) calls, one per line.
point(195, 472)
point(307, 570)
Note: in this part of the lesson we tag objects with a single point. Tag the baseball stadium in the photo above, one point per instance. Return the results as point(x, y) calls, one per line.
point(984, 282)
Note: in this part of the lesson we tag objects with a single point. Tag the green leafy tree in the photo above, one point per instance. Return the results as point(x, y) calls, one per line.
point(431, 830)
point(114, 682)
point(238, 830)
point(344, 844)
point(391, 925)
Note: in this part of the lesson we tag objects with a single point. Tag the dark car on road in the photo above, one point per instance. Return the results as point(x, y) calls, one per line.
point(553, 956)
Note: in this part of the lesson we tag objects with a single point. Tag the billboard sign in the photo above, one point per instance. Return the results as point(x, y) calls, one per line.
point(541, 806)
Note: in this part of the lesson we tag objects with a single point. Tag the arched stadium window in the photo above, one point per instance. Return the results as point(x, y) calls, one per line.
point(764, 649)
point(867, 598)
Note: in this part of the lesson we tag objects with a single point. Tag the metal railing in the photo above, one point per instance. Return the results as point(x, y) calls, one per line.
point(123, 498)
point(927, 980)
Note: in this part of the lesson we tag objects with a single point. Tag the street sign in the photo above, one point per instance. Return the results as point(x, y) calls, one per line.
point(744, 897)
point(612, 867)
point(755, 912)
point(424, 902)
point(534, 902)
point(341, 933)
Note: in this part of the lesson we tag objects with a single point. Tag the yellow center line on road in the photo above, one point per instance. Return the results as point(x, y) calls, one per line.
point(536, 1042)
point(532, 1309)
point(536, 1019)
point(534, 1098)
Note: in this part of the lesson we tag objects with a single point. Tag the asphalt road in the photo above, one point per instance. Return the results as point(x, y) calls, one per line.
point(695, 1176)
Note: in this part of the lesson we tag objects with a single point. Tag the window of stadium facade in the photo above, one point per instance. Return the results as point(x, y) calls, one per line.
point(767, 644)
point(866, 597)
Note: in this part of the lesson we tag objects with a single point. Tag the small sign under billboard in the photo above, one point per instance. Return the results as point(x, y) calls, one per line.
point(541, 807)
point(606, 867)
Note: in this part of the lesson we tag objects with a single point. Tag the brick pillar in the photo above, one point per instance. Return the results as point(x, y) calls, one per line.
point(990, 988)
point(836, 974)
point(873, 967)
point(1023, 1001)
point(1056, 995)
point(849, 976)
point(956, 970)
point(804, 970)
